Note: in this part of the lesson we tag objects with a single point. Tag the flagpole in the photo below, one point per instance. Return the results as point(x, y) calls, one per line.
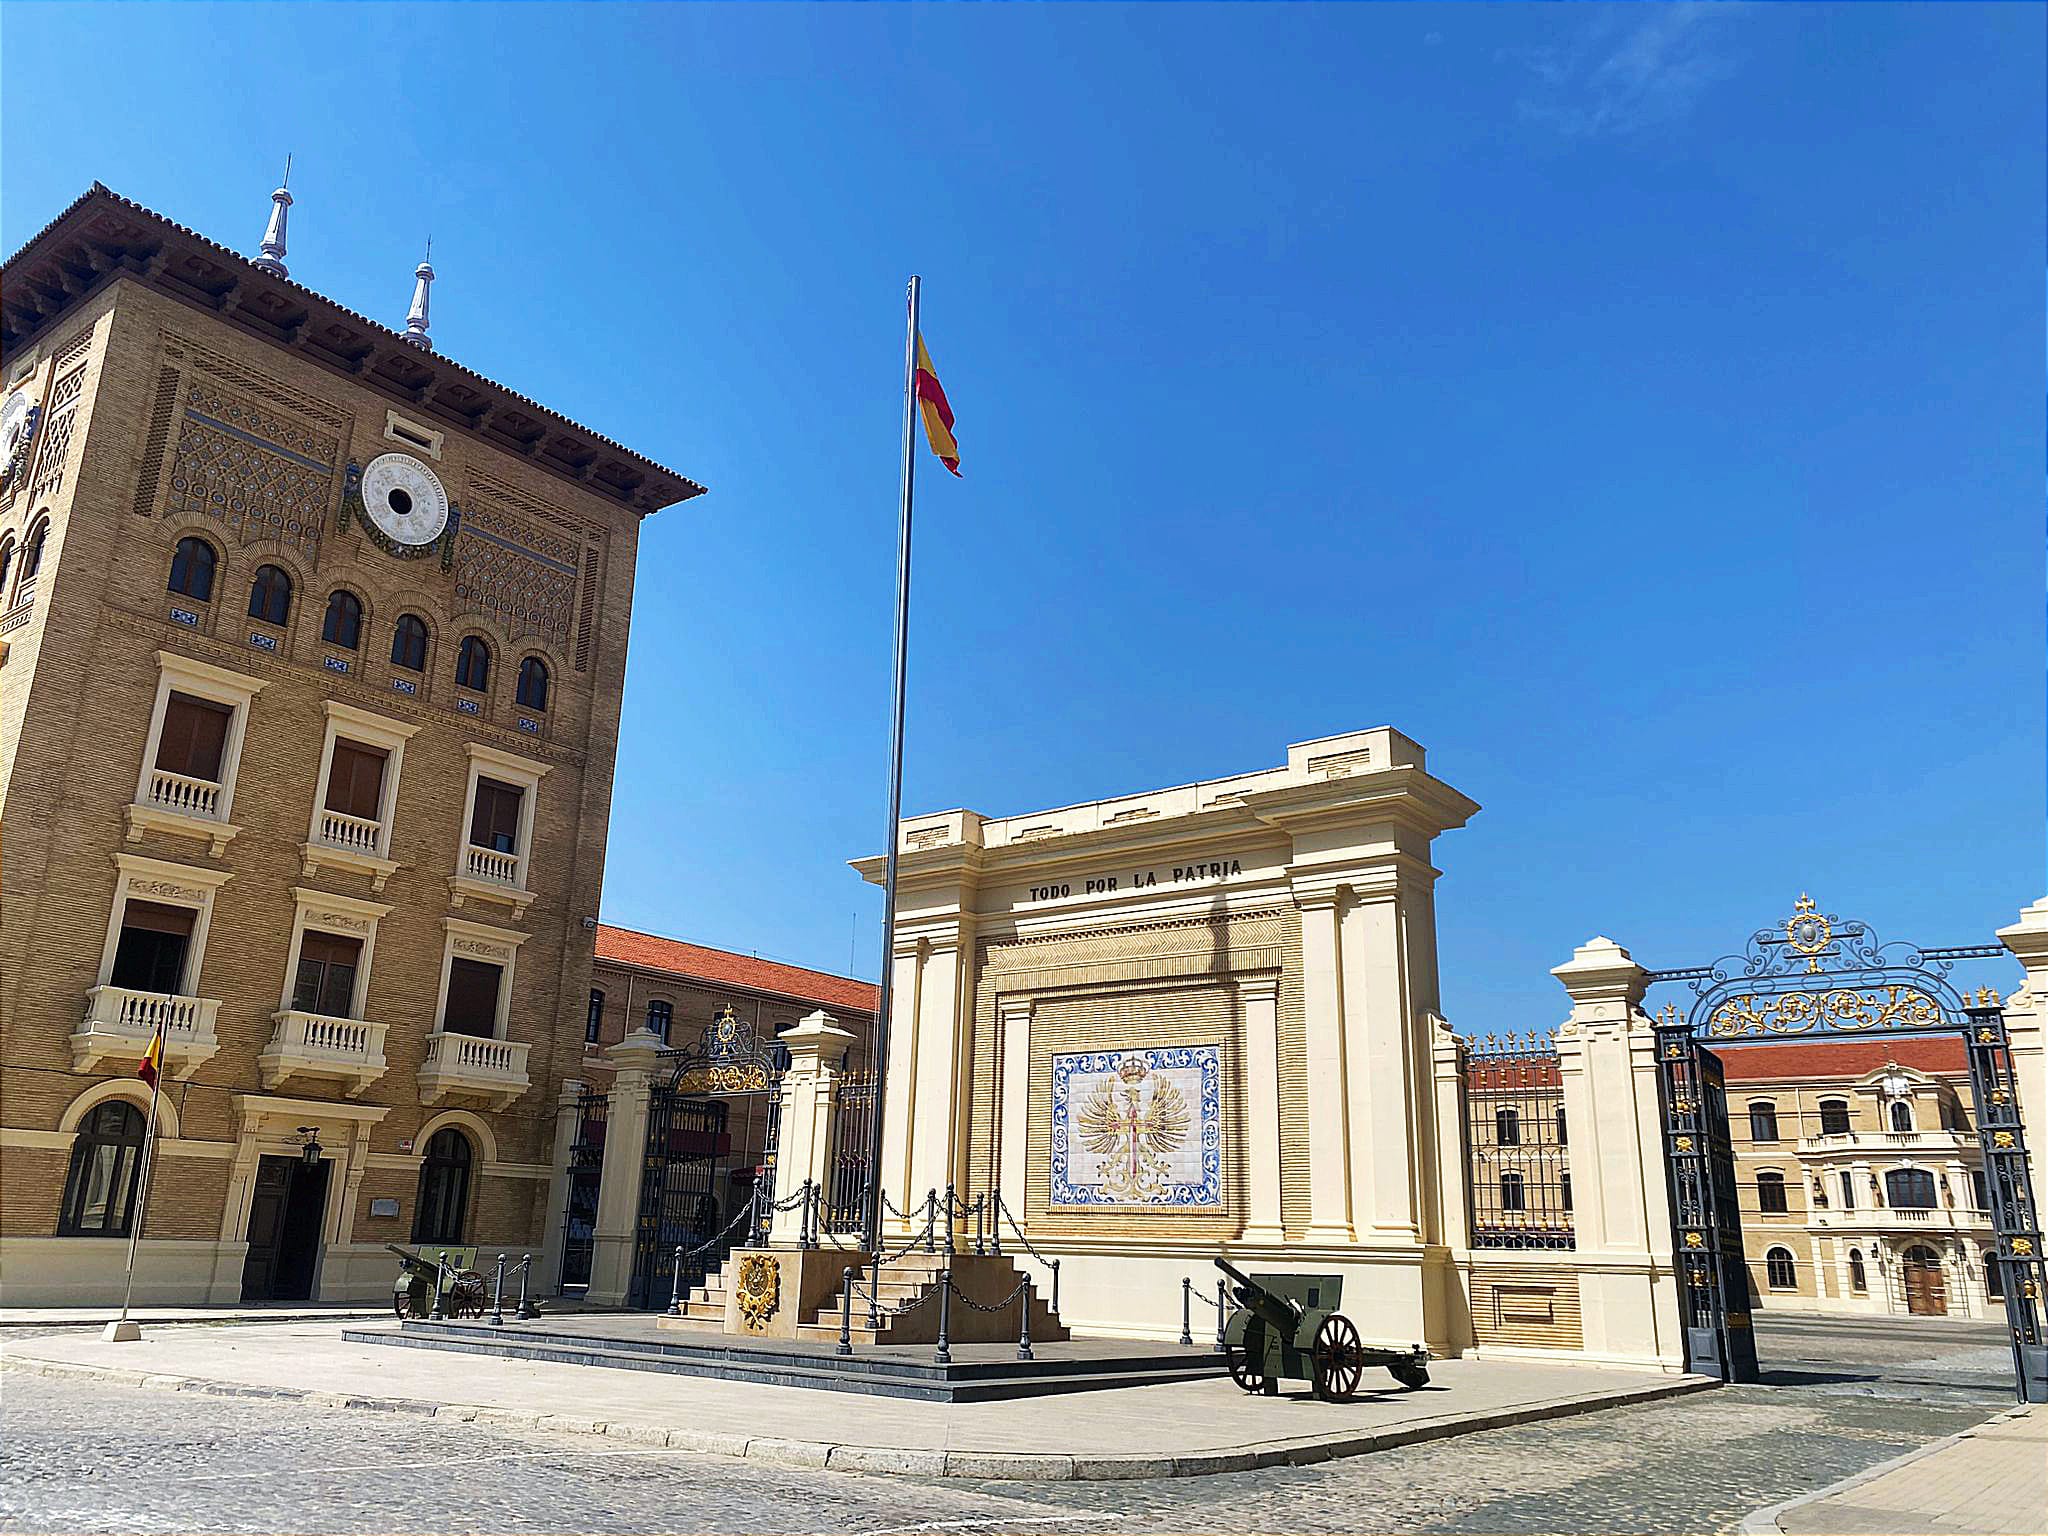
point(141, 1201)
point(882, 998)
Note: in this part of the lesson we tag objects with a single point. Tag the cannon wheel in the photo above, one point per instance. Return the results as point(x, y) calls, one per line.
point(1338, 1360)
point(401, 1303)
point(1243, 1370)
point(466, 1297)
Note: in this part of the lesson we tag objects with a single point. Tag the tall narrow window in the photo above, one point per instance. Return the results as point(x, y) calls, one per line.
point(472, 998)
point(1562, 1139)
point(473, 664)
point(355, 779)
point(326, 982)
point(494, 824)
point(593, 1023)
point(1834, 1117)
point(1512, 1192)
point(1848, 1190)
point(149, 956)
point(192, 570)
point(1770, 1193)
point(32, 552)
point(409, 643)
point(6, 565)
point(99, 1186)
point(1994, 1279)
point(1564, 1185)
point(1901, 1115)
point(270, 595)
point(1980, 1192)
point(533, 683)
point(1763, 1121)
point(1859, 1280)
point(1779, 1270)
point(1507, 1127)
point(343, 625)
point(443, 1200)
point(193, 738)
point(660, 1015)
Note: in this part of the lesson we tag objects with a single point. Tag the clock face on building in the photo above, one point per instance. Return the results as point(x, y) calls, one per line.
point(404, 499)
point(14, 424)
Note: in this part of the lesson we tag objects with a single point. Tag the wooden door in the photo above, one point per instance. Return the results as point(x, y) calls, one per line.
point(1926, 1296)
point(266, 1226)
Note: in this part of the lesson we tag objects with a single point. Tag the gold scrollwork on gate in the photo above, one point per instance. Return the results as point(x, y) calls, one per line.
point(744, 1077)
point(1838, 1008)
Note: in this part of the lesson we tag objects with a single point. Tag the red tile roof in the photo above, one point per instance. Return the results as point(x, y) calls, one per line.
point(1841, 1058)
point(624, 946)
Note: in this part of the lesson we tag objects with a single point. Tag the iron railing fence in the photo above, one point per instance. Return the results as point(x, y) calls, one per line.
point(1518, 1164)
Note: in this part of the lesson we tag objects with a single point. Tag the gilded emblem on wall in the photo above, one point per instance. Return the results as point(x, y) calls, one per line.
point(757, 1289)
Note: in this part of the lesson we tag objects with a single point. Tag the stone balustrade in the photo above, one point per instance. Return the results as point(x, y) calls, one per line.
point(473, 1065)
point(119, 1022)
point(184, 795)
point(319, 1045)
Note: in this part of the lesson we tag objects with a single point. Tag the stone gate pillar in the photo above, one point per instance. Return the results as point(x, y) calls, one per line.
point(804, 1135)
point(2026, 1026)
point(635, 1059)
point(1621, 1212)
point(546, 1273)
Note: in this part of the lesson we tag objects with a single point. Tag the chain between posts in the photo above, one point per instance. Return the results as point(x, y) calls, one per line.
point(1188, 1295)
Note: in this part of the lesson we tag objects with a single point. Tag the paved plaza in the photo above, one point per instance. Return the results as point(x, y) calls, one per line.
point(1844, 1398)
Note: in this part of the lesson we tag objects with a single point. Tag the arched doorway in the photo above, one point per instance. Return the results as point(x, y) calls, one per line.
point(1921, 1279)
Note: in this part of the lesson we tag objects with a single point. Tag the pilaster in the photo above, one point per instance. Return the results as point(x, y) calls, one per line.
point(1013, 1110)
point(1259, 1003)
point(1329, 1134)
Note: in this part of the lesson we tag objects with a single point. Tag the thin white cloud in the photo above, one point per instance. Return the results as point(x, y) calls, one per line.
point(1627, 69)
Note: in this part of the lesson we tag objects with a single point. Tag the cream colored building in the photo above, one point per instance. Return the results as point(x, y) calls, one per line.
point(1860, 1177)
point(1184, 1022)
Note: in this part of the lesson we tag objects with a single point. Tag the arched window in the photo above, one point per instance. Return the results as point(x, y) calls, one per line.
point(660, 1015)
point(1763, 1121)
point(533, 683)
point(1507, 1127)
point(192, 565)
point(270, 595)
point(1779, 1273)
point(99, 1189)
point(1901, 1115)
point(444, 1188)
point(1834, 1117)
point(593, 1023)
point(1770, 1192)
point(32, 550)
point(1994, 1277)
point(473, 664)
point(6, 564)
point(343, 625)
point(1909, 1189)
point(1859, 1281)
point(409, 643)
point(1513, 1193)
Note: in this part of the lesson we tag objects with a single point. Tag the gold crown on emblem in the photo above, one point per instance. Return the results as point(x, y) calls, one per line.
point(1132, 1070)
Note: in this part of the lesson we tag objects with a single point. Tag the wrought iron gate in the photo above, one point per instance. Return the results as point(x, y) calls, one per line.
point(679, 1209)
point(586, 1171)
point(1518, 1174)
point(846, 1175)
point(1813, 977)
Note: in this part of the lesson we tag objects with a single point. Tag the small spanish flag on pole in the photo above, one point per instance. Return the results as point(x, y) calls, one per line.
point(938, 415)
point(124, 1330)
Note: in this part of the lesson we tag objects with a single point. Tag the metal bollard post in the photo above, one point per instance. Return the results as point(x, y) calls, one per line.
point(945, 1354)
point(498, 1295)
point(846, 1311)
point(1055, 1287)
point(527, 1310)
point(1187, 1291)
point(1024, 1323)
point(675, 1286)
point(442, 1296)
point(1222, 1311)
point(931, 1220)
point(995, 1222)
point(950, 1203)
point(874, 1299)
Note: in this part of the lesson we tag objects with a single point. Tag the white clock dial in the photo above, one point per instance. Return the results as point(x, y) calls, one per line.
point(404, 498)
point(14, 423)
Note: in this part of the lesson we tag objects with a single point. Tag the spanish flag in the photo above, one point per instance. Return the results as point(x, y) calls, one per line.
point(938, 415)
point(152, 1059)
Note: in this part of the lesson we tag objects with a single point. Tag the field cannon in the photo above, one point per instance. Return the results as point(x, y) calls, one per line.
point(413, 1293)
point(1288, 1327)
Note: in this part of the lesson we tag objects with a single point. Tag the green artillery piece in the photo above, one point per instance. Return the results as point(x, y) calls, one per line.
point(413, 1292)
point(1288, 1326)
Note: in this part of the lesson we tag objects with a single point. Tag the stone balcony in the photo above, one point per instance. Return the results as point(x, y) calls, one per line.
point(472, 1066)
point(1887, 1143)
point(348, 842)
point(485, 874)
point(1901, 1219)
point(120, 1020)
point(174, 802)
point(318, 1045)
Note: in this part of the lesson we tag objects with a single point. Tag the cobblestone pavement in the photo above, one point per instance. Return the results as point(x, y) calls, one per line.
point(91, 1456)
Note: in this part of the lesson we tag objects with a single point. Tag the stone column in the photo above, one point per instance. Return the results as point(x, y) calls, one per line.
point(1259, 998)
point(804, 1140)
point(544, 1277)
point(2026, 1027)
point(1329, 1137)
point(635, 1061)
point(1606, 1049)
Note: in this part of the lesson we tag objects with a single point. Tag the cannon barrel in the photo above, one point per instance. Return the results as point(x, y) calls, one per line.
point(1254, 1297)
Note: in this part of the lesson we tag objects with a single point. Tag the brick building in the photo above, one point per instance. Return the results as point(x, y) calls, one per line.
point(313, 648)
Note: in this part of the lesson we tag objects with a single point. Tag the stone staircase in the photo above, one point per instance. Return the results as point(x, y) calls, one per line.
point(908, 1303)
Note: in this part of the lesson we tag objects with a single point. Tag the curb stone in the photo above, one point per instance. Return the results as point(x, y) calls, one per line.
point(1764, 1522)
point(994, 1466)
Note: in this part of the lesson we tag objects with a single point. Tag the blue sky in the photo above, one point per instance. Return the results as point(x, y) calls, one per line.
point(1640, 407)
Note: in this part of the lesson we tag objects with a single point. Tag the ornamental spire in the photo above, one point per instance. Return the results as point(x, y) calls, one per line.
point(416, 317)
point(272, 259)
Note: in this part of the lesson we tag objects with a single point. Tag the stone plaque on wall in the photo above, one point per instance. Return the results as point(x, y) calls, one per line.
point(1138, 1128)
